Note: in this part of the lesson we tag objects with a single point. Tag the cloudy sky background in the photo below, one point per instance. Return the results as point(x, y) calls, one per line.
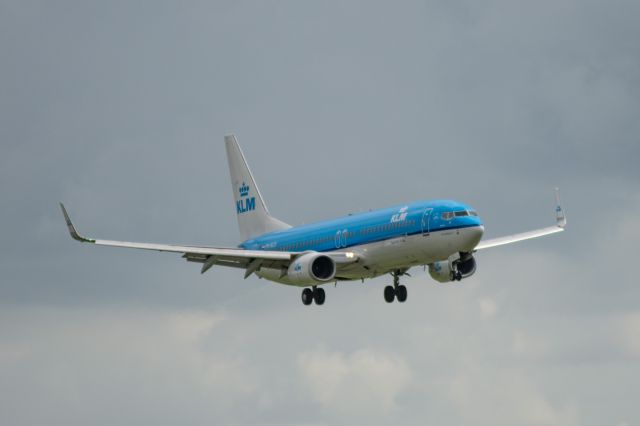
point(119, 109)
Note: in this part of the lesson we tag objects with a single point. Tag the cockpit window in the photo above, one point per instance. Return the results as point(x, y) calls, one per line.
point(461, 213)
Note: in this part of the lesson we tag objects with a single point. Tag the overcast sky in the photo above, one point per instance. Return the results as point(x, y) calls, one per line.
point(119, 109)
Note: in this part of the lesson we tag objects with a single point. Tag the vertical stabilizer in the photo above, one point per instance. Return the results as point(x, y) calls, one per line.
point(253, 217)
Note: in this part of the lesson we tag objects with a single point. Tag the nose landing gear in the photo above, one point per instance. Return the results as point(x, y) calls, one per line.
point(398, 291)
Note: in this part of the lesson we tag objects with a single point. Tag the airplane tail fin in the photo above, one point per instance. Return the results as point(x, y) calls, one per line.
point(253, 216)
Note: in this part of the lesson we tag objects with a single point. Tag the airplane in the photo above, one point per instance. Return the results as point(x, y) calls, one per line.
point(440, 234)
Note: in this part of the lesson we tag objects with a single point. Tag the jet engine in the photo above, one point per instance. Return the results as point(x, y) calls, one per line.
point(312, 268)
point(455, 268)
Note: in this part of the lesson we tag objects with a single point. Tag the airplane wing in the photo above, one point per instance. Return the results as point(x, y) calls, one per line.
point(251, 260)
point(561, 223)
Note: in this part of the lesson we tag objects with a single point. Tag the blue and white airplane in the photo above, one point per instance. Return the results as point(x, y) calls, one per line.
point(442, 234)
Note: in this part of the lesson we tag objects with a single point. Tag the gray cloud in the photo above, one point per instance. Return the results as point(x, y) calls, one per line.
point(119, 110)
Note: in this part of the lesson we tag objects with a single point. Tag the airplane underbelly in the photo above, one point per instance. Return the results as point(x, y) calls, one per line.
point(414, 249)
point(398, 253)
point(409, 251)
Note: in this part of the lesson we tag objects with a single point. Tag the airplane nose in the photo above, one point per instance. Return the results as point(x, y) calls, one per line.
point(473, 237)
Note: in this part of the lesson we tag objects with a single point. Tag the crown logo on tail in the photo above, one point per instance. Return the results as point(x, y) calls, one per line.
point(244, 190)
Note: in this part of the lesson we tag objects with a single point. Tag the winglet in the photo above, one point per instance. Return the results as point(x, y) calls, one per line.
point(561, 219)
point(72, 229)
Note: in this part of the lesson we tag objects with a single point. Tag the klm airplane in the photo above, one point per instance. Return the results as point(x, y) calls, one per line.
point(442, 234)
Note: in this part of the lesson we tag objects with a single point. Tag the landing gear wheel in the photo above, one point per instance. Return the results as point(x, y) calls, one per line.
point(318, 296)
point(389, 294)
point(401, 293)
point(307, 296)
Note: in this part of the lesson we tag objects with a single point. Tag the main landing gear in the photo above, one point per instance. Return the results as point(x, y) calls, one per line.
point(397, 291)
point(309, 295)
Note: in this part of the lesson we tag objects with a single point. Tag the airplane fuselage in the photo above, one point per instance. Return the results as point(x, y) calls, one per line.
point(394, 238)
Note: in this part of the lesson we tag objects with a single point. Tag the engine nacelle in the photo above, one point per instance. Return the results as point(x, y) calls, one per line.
point(441, 271)
point(453, 269)
point(312, 268)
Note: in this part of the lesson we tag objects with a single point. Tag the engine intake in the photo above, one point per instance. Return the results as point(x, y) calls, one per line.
point(311, 268)
point(453, 269)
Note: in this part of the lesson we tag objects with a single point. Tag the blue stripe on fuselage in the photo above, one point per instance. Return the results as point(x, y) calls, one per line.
point(364, 228)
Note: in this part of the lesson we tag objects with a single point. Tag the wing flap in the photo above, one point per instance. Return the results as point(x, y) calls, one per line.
point(197, 251)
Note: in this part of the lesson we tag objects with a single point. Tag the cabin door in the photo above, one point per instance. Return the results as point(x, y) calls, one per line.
point(425, 221)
